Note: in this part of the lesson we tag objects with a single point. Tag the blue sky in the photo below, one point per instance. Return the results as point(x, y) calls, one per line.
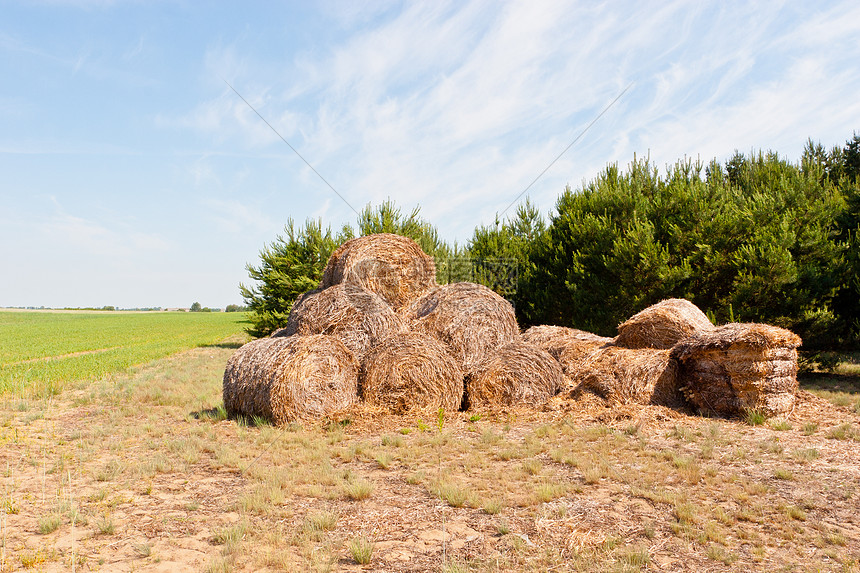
point(133, 176)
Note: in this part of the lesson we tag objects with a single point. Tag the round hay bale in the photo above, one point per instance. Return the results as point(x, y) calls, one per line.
point(290, 379)
point(554, 339)
point(470, 318)
point(740, 367)
point(629, 376)
point(662, 325)
point(392, 266)
point(517, 374)
point(357, 317)
point(411, 371)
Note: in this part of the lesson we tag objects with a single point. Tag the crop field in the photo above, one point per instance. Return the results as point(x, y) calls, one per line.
point(40, 352)
point(141, 471)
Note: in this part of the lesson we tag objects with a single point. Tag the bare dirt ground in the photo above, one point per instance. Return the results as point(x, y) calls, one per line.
point(141, 473)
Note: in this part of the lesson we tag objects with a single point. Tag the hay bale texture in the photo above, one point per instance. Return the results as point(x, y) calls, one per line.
point(739, 367)
point(554, 339)
point(579, 348)
point(662, 325)
point(469, 318)
point(629, 376)
point(359, 318)
point(517, 374)
point(392, 266)
point(411, 372)
point(290, 379)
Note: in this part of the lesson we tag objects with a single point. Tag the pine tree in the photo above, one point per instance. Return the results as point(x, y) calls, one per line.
point(291, 265)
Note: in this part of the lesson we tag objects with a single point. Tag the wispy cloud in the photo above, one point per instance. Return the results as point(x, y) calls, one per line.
point(470, 101)
point(236, 217)
point(94, 237)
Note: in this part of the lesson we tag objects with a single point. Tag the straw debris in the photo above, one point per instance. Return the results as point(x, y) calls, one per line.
point(290, 379)
point(740, 367)
point(554, 339)
point(411, 371)
point(469, 318)
point(357, 317)
point(392, 266)
point(662, 325)
point(629, 376)
point(517, 374)
point(578, 348)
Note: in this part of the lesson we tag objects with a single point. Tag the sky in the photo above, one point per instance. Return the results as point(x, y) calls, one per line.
point(132, 175)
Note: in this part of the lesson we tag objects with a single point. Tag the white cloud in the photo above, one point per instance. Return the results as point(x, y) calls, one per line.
point(458, 106)
point(236, 217)
point(83, 236)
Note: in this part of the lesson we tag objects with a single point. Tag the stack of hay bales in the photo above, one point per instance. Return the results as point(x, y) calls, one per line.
point(291, 379)
point(379, 329)
point(735, 368)
point(413, 340)
point(365, 280)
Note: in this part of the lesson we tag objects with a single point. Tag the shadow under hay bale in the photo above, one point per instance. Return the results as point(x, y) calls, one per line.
point(392, 266)
point(554, 339)
point(411, 372)
point(290, 379)
point(740, 367)
point(358, 318)
point(629, 376)
point(517, 374)
point(469, 318)
point(662, 325)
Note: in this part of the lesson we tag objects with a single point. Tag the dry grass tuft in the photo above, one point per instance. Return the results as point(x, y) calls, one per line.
point(629, 376)
point(738, 368)
point(290, 379)
point(470, 318)
point(662, 325)
point(518, 374)
point(359, 318)
point(392, 266)
point(411, 371)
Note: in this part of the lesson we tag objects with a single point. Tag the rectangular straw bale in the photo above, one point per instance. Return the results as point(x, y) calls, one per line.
point(740, 367)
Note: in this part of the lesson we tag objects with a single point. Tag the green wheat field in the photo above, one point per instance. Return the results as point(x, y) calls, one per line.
point(42, 351)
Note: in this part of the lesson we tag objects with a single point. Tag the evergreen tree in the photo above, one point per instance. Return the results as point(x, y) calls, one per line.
point(291, 265)
point(501, 254)
point(751, 240)
point(847, 298)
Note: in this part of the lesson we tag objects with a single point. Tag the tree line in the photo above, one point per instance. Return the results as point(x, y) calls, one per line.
point(758, 238)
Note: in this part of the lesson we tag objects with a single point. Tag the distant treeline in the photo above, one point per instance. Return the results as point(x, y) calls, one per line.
point(758, 238)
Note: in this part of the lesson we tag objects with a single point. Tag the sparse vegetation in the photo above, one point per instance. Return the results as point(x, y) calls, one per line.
point(361, 550)
point(49, 523)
